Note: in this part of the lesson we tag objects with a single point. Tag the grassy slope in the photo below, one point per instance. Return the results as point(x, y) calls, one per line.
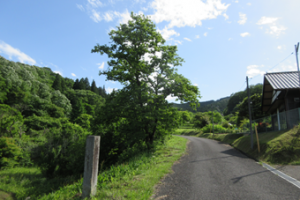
point(280, 147)
point(133, 180)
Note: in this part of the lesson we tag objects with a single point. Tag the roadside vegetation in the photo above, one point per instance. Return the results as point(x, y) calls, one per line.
point(134, 179)
point(278, 147)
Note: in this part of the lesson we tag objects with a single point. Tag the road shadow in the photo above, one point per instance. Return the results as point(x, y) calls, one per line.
point(217, 158)
point(237, 179)
point(234, 152)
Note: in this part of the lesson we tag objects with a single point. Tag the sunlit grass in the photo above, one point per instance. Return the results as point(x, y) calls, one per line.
point(132, 180)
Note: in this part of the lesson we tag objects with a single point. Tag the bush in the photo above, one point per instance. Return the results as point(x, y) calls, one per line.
point(63, 153)
point(201, 120)
point(217, 129)
point(10, 153)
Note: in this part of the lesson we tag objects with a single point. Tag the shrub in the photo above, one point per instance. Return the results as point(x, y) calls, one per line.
point(63, 153)
point(10, 153)
point(216, 128)
point(201, 120)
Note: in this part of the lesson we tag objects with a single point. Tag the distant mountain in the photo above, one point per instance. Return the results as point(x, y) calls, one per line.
point(205, 106)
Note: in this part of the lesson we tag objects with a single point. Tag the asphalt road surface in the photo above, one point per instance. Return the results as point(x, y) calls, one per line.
point(212, 170)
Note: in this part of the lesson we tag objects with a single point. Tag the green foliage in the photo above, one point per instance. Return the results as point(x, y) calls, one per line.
point(57, 84)
point(63, 153)
point(215, 117)
point(256, 111)
point(237, 98)
point(142, 101)
point(84, 121)
point(205, 106)
point(200, 120)
point(11, 122)
point(40, 123)
point(3, 89)
point(10, 153)
point(216, 128)
point(94, 87)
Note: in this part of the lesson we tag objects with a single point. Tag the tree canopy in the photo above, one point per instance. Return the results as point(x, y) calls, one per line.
point(147, 69)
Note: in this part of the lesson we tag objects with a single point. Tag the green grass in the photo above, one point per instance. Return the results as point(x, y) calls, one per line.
point(132, 180)
point(278, 147)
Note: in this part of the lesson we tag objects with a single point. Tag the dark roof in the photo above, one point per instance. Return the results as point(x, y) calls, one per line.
point(277, 81)
point(283, 80)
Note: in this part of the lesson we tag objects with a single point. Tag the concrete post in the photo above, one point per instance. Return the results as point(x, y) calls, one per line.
point(89, 187)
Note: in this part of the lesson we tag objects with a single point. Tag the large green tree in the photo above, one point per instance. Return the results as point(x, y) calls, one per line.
point(147, 69)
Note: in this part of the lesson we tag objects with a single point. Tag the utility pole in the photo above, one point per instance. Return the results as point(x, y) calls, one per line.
point(296, 52)
point(250, 119)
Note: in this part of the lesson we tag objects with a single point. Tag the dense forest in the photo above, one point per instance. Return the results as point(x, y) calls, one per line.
point(205, 106)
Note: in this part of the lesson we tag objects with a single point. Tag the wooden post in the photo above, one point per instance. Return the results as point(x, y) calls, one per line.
point(257, 139)
point(89, 187)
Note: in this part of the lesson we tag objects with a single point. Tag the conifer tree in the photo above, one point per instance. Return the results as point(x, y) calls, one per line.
point(81, 84)
point(76, 84)
point(87, 84)
point(57, 83)
point(77, 108)
point(94, 87)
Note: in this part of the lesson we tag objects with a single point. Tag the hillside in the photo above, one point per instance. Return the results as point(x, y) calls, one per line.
point(218, 105)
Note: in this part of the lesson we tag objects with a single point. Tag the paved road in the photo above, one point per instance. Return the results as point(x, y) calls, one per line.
point(213, 170)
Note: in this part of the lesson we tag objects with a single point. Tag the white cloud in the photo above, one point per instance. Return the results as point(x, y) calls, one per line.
point(245, 34)
point(167, 33)
point(109, 89)
point(230, 39)
point(271, 26)
point(187, 39)
point(95, 16)
point(226, 16)
point(186, 13)
point(108, 16)
point(243, 18)
point(58, 72)
point(236, 1)
point(279, 47)
point(144, 8)
point(249, 4)
point(266, 20)
point(205, 34)
point(197, 36)
point(253, 70)
point(177, 42)
point(95, 3)
point(171, 99)
point(73, 74)
point(13, 52)
point(123, 17)
point(195, 84)
point(101, 65)
point(80, 7)
point(209, 28)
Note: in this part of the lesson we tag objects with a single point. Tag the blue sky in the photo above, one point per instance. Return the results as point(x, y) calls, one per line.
point(221, 41)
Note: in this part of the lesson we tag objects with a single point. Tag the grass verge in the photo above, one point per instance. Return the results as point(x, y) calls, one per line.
point(278, 147)
point(132, 180)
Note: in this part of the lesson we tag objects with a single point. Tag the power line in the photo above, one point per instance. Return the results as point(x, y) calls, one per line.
point(274, 65)
point(282, 60)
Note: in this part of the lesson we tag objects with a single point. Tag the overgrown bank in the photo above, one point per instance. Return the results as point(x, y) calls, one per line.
point(280, 147)
point(134, 179)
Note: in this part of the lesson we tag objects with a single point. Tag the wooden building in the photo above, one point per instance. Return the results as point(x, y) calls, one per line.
point(281, 98)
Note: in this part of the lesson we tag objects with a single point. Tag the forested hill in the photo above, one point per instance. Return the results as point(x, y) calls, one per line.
point(205, 106)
